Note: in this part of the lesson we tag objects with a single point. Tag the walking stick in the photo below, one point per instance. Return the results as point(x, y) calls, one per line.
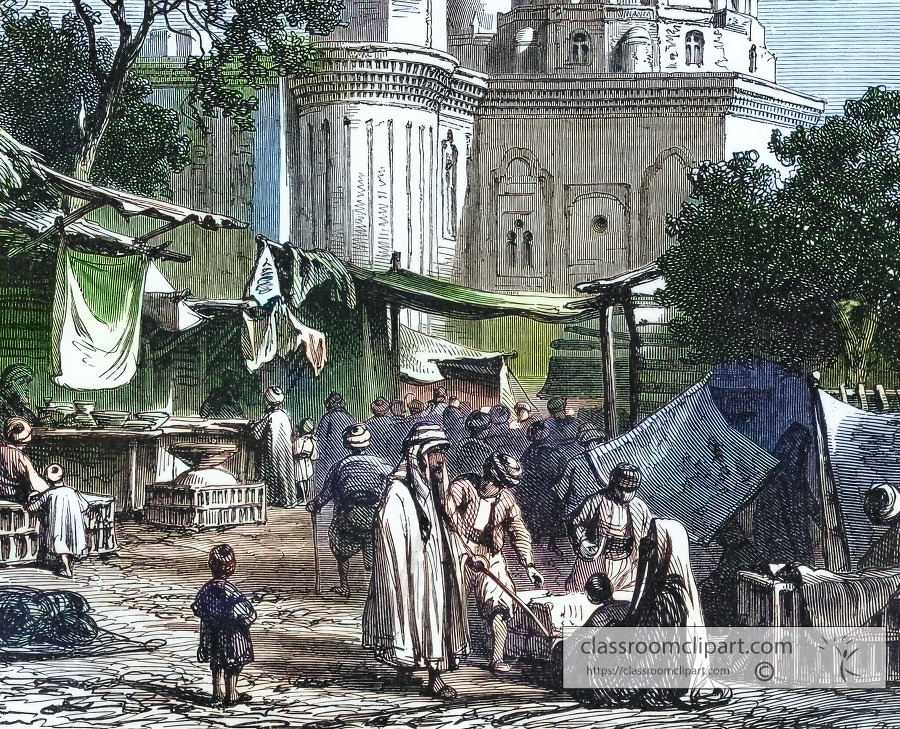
point(479, 566)
point(315, 540)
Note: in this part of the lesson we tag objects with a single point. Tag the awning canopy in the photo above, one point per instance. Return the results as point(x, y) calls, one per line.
point(40, 219)
point(423, 293)
point(425, 359)
point(129, 205)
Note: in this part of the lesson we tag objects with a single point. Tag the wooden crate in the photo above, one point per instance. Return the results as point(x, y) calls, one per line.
point(100, 525)
point(766, 602)
point(205, 507)
point(19, 537)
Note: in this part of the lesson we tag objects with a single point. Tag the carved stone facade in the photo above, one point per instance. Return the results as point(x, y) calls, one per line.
point(555, 161)
point(594, 165)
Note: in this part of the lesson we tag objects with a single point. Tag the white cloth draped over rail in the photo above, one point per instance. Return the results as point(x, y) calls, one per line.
point(273, 330)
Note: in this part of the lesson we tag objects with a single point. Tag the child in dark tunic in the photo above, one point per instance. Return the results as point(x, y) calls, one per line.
point(225, 619)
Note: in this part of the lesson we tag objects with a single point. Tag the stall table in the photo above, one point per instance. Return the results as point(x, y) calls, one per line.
point(121, 463)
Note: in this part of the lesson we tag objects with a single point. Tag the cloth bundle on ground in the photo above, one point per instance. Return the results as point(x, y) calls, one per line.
point(830, 599)
point(31, 617)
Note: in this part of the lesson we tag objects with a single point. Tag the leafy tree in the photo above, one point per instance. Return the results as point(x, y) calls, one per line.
point(47, 81)
point(798, 268)
point(844, 194)
point(739, 281)
point(245, 40)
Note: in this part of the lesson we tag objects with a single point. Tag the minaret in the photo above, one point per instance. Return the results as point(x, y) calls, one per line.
point(379, 138)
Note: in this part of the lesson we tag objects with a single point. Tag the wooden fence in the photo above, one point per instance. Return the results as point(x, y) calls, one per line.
point(877, 400)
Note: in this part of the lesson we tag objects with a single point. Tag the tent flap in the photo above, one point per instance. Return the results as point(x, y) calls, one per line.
point(424, 293)
point(696, 467)
point(425, 359)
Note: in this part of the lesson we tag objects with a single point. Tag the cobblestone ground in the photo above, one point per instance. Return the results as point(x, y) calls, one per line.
point(310, 669)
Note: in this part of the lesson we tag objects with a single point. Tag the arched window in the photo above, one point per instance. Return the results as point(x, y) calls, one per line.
point(580, 48)
point(753, 59)
point(693, 48)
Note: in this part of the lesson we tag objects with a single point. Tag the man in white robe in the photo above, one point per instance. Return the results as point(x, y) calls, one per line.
point(275, 456)
point(414, 617)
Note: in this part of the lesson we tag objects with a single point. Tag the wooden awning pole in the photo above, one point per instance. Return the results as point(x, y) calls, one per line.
point(634, 362)
point(610, 412)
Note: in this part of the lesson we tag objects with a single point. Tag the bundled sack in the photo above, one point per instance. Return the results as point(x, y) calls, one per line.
point(35, 617)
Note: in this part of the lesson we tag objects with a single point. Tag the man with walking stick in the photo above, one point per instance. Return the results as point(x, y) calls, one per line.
point(355, 485)
point(483, 512)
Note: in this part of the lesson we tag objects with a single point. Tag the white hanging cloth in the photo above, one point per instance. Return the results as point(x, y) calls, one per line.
point(279, 332)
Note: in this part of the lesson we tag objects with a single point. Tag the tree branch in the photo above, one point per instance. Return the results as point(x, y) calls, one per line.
point(82, 12)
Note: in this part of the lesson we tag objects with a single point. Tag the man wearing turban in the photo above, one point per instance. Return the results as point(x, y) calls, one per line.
point(484, 513)
point(414, 617)
point(355, 485)
point(330, 436)
point(274, 454)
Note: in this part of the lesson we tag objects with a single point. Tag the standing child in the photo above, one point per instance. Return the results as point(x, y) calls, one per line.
point(225, 619)
point(306, 451)
point(61, 510)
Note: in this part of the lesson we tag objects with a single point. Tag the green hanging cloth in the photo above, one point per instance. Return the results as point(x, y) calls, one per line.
point(96, 319)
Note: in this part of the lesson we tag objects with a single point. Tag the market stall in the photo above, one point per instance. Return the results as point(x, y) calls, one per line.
point(121, 462)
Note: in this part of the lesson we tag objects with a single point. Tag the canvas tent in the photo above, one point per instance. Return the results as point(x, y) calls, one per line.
point(481, 378)
point(762, 467)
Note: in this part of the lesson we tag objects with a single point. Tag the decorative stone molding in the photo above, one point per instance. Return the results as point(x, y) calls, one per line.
point(377, 74)
point(648, 94)
point(467, 88)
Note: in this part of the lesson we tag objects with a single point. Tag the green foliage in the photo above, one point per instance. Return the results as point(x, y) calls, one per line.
point(51, 74)
point(251, 40)
point(803, 268)
point(741, 286)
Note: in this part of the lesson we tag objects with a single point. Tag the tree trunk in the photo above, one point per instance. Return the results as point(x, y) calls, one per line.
point(85, 162)
point(858, 339)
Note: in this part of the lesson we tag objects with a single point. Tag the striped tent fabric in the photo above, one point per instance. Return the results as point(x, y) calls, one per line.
point(696, 467)
point(862, 447)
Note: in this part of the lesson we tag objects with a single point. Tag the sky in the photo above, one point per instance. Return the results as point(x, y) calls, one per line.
point(830, 49)
point(834, 50)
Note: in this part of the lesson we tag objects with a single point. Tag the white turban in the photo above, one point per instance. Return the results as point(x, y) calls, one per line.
point(274, 395)
point(357, 437)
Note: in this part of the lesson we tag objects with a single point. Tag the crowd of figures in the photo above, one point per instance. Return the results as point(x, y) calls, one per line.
point(432, 493)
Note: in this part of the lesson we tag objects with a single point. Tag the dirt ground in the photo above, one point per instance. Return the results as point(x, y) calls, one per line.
point(310, 669)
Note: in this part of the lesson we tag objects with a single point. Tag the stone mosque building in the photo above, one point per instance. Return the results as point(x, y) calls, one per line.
point(507, 148)
point(524, 148)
